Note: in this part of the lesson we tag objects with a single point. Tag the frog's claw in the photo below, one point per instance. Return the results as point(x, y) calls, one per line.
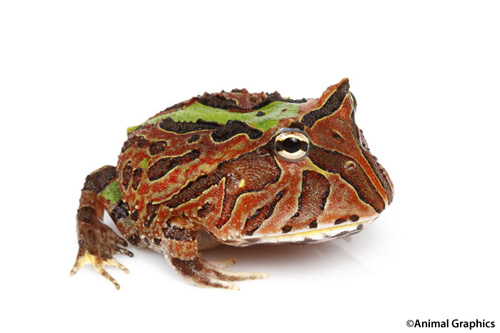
point(180, 247)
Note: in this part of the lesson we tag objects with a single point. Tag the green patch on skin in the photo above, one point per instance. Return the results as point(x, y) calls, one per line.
point(144, 163)
point(112, 193)
point(272, 115)
point(131, 129)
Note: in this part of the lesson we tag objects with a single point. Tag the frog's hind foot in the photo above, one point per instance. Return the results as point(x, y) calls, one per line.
point(204, 273)
point(180, 248)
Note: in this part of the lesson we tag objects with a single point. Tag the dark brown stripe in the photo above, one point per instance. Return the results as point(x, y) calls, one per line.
point(217, 101)
point(135, 140)
point(380, 172)
point(135, 215)
point(168, 124)
point(263, 213)
point(100, 179)
point(157, 147)
point(161, 167)
point(331, 105)
point(335, 162)
point(339, 221)
point(179, 234)
point(309, 208)
point(120, 211)
point(136, 178)
point(233, 128)
point(346, 233)
point(195, 188)
point(187, 267)
point(298, 125)
point(135, 239)
point(151, 212)
point(220, 101)
point(206, 209)
point(276, 97)
point(220, 132)
point(194, 138)
point(381, 175)
point(126, 174)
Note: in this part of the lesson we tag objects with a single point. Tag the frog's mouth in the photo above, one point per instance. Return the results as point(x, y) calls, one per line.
point(327, 232)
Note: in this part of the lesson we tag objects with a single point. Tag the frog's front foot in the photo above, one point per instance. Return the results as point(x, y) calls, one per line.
point(97, 245)
point(180, 247)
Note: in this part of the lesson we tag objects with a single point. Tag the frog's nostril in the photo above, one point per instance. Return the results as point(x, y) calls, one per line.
point(349, 165)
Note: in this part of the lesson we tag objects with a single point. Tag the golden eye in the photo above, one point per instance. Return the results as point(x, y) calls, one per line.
point(291, 144)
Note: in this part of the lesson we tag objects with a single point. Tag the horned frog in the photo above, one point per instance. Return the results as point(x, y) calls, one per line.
point(235, 168)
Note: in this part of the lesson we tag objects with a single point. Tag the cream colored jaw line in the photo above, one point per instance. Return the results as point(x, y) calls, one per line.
point(311, 233)
point(300, 236)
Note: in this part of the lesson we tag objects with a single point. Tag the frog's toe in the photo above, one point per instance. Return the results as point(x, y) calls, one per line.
point(99, 264)
point(215, 269)
point(99, 267)
point(223, 263)
point(125, 252)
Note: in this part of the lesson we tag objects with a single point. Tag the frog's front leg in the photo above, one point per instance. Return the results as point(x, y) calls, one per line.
point(97, 242)
point(180, 247)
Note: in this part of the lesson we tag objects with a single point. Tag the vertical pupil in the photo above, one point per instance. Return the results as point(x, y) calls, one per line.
point(291, 145)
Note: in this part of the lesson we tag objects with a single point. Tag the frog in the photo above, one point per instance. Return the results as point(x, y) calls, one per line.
point(233, 168)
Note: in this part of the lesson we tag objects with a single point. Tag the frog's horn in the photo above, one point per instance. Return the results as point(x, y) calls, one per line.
point(328, 103)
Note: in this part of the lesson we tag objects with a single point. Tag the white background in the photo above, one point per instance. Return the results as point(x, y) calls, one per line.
point(75, 75)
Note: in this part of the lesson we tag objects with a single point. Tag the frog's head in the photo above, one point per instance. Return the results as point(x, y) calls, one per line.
point(337, 184)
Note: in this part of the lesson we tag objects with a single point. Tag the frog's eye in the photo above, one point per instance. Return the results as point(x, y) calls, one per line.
point(291, 144)
point(354, 103)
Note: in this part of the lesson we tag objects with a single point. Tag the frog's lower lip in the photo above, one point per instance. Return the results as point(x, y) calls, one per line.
point(308, 236)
